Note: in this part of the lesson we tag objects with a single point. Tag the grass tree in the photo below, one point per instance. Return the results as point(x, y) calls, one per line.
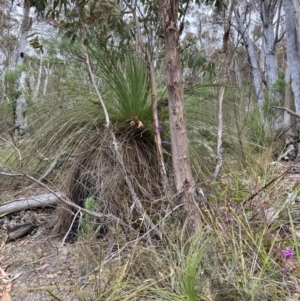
point(126, 95)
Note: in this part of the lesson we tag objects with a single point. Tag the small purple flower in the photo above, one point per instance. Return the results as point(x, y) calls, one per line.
point(288, 253)
point(228, 219)
point(165, 143)
point(159, 127)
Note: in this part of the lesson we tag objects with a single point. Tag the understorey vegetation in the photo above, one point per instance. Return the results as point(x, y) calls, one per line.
point(175, 172)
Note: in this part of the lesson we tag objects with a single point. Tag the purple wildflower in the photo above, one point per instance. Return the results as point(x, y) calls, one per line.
point(165, 143)
point(228, 219)
point(288, 253)
point(159, 127)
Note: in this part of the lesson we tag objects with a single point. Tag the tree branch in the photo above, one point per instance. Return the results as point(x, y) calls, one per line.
point(288, 111)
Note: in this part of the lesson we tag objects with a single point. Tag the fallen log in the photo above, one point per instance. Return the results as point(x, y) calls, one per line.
point(37, 201)
point(20, 231)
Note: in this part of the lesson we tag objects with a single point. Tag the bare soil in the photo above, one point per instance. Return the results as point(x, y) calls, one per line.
point(38, 263)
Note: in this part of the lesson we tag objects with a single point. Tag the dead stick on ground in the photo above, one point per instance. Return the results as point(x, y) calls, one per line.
point(65, 200)
point(253, 195)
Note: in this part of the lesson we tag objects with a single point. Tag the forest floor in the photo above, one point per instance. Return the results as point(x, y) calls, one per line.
point(38, 263)
point(43, 268)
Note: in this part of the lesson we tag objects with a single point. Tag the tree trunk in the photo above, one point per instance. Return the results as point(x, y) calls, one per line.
point(179, 141)
point(297, 14)
point(48, 72)
point(157, 138)
point(292, 52)
point(287, 101)
point(37, 87)
point(225, 78)
point(21, 106)
point(249, 45)
point(267, 12)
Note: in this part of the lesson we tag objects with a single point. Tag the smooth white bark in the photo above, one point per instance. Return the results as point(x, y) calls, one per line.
point(293, 50)
point(269, 38)
point(42, 200)
point(249, 45)
point(21, 105)
point(297, 14)
point(48, 72)
point(37, 87)
point(287, 98)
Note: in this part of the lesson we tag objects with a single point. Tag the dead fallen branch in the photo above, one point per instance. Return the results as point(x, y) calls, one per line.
point(20, 231)
point(37, 201)
point(63, 199)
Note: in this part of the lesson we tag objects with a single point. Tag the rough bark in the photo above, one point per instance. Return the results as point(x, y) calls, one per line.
point(21, 105)
point(249, 45)
point(179, 141)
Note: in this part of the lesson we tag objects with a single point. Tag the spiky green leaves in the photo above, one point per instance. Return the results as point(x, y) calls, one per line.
point(128, 99)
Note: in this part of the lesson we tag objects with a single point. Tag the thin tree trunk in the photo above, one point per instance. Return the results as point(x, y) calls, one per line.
point(257, 80)
point(21, 105)
point(237, 71)
point(225, 78)
point(157, 138)
point(179, 141)
point(287, 100)
point(267, 12)
point(37, 87)
point(47, 73)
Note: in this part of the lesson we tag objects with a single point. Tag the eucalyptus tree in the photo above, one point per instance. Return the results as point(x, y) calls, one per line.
point(270, 37)
point(252, 57)
point(292, 38)
point(21, 105)
point(179, 140)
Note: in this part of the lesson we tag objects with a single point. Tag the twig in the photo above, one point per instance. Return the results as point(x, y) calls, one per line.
point(288, 111)
point(70, 228)
point(66, 201)
point(113, 255)
point(17, 150)
point(253, 195)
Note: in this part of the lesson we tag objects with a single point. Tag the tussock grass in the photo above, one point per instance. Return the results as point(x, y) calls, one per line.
point(228, 259)
point(238, 254)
